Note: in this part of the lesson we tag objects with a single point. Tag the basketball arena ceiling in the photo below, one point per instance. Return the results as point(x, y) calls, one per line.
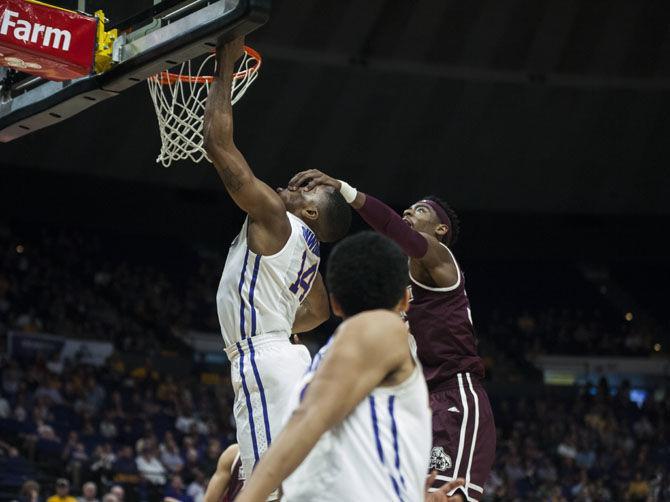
point(541, 105)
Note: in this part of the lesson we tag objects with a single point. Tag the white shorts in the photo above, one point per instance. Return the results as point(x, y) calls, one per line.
point(264, 370)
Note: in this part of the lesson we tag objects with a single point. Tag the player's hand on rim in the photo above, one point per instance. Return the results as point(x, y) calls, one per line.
point(231, 51)
point(306, 180)
point(441, 494)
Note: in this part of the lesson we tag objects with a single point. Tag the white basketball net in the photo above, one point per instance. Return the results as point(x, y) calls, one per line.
point(180, 99)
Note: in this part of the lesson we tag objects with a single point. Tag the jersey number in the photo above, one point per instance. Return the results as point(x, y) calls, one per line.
point(305, 278)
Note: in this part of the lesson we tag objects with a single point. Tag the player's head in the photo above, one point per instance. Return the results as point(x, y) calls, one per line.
point(431, 215)
point(323, 209)
point(367, 271)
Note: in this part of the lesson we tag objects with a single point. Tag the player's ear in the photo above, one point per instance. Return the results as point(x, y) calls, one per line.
point(403, 304)
point(335, 307)
point(310, 212)
point(441, 230)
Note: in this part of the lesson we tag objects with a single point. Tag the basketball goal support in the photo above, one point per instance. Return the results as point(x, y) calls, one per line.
point(163, 41)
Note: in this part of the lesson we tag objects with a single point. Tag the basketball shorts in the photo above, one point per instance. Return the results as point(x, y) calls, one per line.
point(264, 370)
point(464, 435)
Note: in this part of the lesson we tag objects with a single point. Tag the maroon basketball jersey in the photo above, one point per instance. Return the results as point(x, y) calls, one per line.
point(235, 485)
point(440, 320)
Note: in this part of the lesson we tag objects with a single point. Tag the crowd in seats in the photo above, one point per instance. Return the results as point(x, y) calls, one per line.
point(85, 285)
point(573, 331)
point(592, 447)
point(141, 293)
point(104, 427)
point(103, 430)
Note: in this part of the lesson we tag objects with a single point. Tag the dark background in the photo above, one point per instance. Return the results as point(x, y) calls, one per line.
point(551, 106)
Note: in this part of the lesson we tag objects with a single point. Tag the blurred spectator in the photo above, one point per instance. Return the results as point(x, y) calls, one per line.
point(5, 409)
point(118, 492)
point(170, 455)
point(62, 492)
point(125, 467)
point(196, 490)
point(150, 467)
point(176, 490)
point(89, 492)
point(30, 492)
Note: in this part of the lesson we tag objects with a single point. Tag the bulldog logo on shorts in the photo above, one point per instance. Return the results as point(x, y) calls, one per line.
point(439, 459)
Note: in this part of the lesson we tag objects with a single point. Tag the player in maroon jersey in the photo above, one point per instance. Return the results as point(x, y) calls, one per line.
point(439, 317)
point(225, 484)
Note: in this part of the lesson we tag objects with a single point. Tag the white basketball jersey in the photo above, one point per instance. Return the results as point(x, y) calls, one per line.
point(381, 451)
point(260, 294)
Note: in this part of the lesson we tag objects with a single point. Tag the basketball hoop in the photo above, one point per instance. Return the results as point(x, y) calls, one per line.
point(180, 99)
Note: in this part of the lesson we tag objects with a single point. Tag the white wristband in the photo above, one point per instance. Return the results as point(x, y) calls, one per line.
point(348, 192)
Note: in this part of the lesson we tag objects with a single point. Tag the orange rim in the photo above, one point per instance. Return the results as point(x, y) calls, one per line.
point(168, 78)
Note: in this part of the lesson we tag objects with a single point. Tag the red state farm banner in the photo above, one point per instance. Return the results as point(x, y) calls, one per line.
point(49, 42)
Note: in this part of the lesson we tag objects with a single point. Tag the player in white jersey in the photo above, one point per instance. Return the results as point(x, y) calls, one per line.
point(361, 429)
point(270, 286)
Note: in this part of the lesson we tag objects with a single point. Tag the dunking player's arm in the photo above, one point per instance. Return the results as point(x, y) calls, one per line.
point(219, 482)
point(269, 226)
point(428, 254)
point(353, 367)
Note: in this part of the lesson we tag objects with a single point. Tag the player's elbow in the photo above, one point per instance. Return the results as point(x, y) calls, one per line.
point(322, 314)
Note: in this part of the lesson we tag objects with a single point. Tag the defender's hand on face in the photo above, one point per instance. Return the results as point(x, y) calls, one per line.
point(312, 178)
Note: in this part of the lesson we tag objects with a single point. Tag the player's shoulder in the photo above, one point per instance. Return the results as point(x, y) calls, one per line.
point(302, 232)
point(373, 327)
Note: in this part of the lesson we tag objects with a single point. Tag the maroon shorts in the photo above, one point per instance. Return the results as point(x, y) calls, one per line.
point(464, 434)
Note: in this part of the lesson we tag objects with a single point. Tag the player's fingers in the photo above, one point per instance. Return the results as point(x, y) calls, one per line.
point(300, 178)
point(320, 179)
point(452, 485)
point(430, 479)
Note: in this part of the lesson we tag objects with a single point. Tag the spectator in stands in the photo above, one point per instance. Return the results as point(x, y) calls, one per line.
point(125, 468)
point(150, 467)
point(102, 463)
point(196, 490)
point(170, 455)
point(89, 492)
point(638, 489)
point(187, 422)
point(62, 492)
point(109, 497)
point(176, 491)
point(5, 409)
point(108, 428)
point(209, 462)
point(118, 492)
point(30, 492)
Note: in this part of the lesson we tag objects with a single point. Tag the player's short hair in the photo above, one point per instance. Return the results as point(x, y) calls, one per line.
point(455, 229)
point(367, 271)
point(334, 217)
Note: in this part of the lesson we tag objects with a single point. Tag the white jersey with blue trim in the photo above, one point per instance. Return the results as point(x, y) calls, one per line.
point(261, 294)
point(381, 451)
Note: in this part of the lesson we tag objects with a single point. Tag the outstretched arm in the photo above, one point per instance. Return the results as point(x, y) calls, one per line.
point(314, 310)
point(218, 484)
point(352, 368)
point(266, 210)
point(375, 213)
point(423, 248)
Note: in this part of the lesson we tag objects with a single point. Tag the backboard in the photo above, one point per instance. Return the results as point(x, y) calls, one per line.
point(152, 36)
